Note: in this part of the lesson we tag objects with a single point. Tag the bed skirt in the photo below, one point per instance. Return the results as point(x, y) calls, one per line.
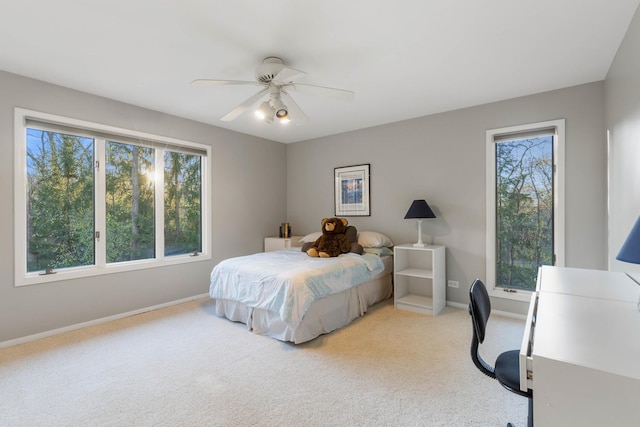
point(324, 315)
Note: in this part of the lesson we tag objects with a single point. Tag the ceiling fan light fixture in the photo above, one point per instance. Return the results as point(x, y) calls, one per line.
point(281, 109)
point(265, 112)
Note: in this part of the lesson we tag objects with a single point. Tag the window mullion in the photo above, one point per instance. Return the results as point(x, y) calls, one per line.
point(100, 206)
point(159, 202)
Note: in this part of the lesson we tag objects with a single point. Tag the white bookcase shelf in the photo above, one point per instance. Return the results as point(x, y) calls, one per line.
point(419, 278)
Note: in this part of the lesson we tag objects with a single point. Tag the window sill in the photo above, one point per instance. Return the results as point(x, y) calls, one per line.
point(519, 295)
point(90, 271)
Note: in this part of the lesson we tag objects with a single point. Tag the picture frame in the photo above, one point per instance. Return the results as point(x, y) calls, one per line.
point(352, 190)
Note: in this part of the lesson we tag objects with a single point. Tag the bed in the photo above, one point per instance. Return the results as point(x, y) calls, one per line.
point(292, 297)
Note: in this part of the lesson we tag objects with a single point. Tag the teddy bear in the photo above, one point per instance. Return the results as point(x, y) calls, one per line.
point(333, 241)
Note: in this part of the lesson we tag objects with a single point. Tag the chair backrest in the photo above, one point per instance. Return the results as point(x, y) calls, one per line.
point(479, 309)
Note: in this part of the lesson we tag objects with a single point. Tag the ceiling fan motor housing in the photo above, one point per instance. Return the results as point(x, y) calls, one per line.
point(270, 67)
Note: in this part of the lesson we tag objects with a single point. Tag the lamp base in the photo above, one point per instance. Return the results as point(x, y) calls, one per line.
point(638, 283)
point(419, 244)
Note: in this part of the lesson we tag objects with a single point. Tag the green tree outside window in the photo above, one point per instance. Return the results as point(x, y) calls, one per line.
point(524, 210)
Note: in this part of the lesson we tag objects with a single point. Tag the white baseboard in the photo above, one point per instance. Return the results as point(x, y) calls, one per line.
point(498, 312)
point(28, 338)
point(457, 304)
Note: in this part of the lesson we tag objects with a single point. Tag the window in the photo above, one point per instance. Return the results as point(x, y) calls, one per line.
point(129, 202)
point(94, 199)
point(182, 232)
point(60, 200)
point(525, 204)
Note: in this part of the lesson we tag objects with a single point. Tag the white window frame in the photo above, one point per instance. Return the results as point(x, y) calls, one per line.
point(558, 194)
point(23, 278)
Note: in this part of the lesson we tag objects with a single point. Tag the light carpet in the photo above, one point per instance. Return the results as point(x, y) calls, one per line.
point(184, 366)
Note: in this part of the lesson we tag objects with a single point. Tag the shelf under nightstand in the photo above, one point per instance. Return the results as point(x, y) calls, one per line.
point(419, 278)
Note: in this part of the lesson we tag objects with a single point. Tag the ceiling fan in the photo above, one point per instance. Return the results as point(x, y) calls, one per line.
point(276, 80)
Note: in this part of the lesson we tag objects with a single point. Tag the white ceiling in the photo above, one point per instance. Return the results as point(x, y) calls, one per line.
point(403, 58)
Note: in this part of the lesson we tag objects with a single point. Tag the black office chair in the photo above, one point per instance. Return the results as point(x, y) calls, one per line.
point(507, 366)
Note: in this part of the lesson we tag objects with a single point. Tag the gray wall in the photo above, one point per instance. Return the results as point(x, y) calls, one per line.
point(622, 101)
point(441, 158)
point(245, 172)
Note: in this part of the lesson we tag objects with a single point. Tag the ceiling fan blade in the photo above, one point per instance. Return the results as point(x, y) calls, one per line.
point(214, 82)
point(287, 75)
point(330, 92)
point(298, 116)
point(233, 114)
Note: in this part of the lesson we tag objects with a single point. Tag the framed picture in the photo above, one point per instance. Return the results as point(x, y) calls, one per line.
point(351, 190)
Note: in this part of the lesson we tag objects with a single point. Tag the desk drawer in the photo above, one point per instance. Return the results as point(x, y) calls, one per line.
point(526, 349)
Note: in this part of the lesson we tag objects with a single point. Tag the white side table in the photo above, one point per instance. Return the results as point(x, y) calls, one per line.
point(419, 278)
point(281, 243)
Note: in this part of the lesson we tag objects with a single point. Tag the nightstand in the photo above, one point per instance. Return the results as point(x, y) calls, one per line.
point(281, 243)
point(419, 278)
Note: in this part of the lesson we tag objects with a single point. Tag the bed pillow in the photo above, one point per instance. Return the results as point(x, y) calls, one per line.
point(378, 251)
point(311, 237)
point(372, 239)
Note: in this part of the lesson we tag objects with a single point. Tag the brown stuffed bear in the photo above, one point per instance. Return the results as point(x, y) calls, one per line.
point(351, 233)
point(333, 242)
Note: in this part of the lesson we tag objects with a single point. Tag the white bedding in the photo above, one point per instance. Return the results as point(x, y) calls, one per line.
point(287, 282)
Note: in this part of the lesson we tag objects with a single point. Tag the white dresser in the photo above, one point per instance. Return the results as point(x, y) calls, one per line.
point(580, 352)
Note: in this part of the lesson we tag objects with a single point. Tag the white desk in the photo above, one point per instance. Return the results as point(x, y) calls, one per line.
point(582, 349)
point(599, 284)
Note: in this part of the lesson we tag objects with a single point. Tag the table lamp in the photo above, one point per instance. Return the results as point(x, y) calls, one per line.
point(630, 250)
point(419, 209)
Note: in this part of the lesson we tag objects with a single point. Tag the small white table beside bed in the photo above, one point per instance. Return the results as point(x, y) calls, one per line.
point(291, 296)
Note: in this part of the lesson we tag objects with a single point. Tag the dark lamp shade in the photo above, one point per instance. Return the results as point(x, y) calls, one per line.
point(630, 251)
point(419, 209)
